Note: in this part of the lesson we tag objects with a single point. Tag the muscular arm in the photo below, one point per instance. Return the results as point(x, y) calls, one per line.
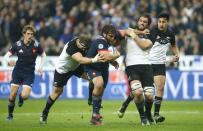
point(84, 60)
point(128, 32)
point(6, 58)
point(108, 57)
point(42, 59)
point(175, 51)
point(142, 43)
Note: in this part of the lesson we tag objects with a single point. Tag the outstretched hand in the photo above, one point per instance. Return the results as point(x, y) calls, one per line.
point(175, 58)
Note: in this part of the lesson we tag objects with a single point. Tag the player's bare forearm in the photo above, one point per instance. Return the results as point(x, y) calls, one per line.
point(85, 60)
point(142, 43)
point(175, 51)
point(107, 57)
point(128, 32)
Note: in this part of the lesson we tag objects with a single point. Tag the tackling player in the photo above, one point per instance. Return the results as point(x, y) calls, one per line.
point(69, 64)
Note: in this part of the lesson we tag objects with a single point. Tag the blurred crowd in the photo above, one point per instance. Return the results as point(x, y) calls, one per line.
point(58, 21)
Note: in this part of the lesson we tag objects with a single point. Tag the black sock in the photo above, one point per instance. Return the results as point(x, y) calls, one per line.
point(96, 104)
point(127, 101)
point(157, 105)
point(148, 107)
point(91, 88)
point(49, 104)
point(11, 105)
point(140, 108)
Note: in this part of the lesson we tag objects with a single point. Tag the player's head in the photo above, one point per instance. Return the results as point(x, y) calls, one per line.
point(163, 20)
point(109, 33)
point(144, 21)
point(28, 32)
point(84, 42)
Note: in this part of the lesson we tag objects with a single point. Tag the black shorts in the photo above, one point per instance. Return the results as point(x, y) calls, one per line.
point(61, 79)
point(92, 73)
point(20, 77)
point(159, 69)
point(143, 73)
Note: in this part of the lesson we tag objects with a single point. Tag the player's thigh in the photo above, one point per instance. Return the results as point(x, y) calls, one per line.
point(17, 77)
point(28, 79)
point(61, 79)
point(147, 79)
point(96, 77)
point(159, 69)
point(134, 78)
point(14, 89)
point(79, 72)
point(26, 90)
point(105, 76)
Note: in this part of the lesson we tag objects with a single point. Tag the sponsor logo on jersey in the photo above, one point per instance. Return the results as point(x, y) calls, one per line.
point(20, 51)
point(157, 37)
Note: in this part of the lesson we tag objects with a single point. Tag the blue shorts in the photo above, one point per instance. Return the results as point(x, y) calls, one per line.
point(22, 78)
point(91, 73)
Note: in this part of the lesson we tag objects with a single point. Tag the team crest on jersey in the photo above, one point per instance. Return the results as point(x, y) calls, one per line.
point(34, 50)
point(157, 37)
point(100, 46)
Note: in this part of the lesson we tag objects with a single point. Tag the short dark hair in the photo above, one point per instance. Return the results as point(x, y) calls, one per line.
point(109, 29)
point(29, 27)
point(86, 40)
point(146, 16)
point(164, 15)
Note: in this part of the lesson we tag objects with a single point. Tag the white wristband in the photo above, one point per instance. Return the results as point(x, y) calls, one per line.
point(94, 60)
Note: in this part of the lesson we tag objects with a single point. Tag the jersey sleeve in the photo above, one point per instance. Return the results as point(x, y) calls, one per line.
point(101, 45)
point(71, 49)
point(13, 48)
point(39, 49)
point(97, 46)
point(152, 35)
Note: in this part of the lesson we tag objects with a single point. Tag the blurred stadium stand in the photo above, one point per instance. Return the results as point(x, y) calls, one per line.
point(57, 21)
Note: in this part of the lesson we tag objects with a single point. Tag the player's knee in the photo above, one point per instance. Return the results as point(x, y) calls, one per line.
point(13, 94)
point(136, 89)
point(57, 90)
point(149, 91)
point(25, 96)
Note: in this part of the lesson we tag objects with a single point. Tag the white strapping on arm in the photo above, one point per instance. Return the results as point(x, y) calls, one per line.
point(7, 56)
point(41, 61)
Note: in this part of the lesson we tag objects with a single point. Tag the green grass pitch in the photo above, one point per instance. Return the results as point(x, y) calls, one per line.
point(74, 115)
